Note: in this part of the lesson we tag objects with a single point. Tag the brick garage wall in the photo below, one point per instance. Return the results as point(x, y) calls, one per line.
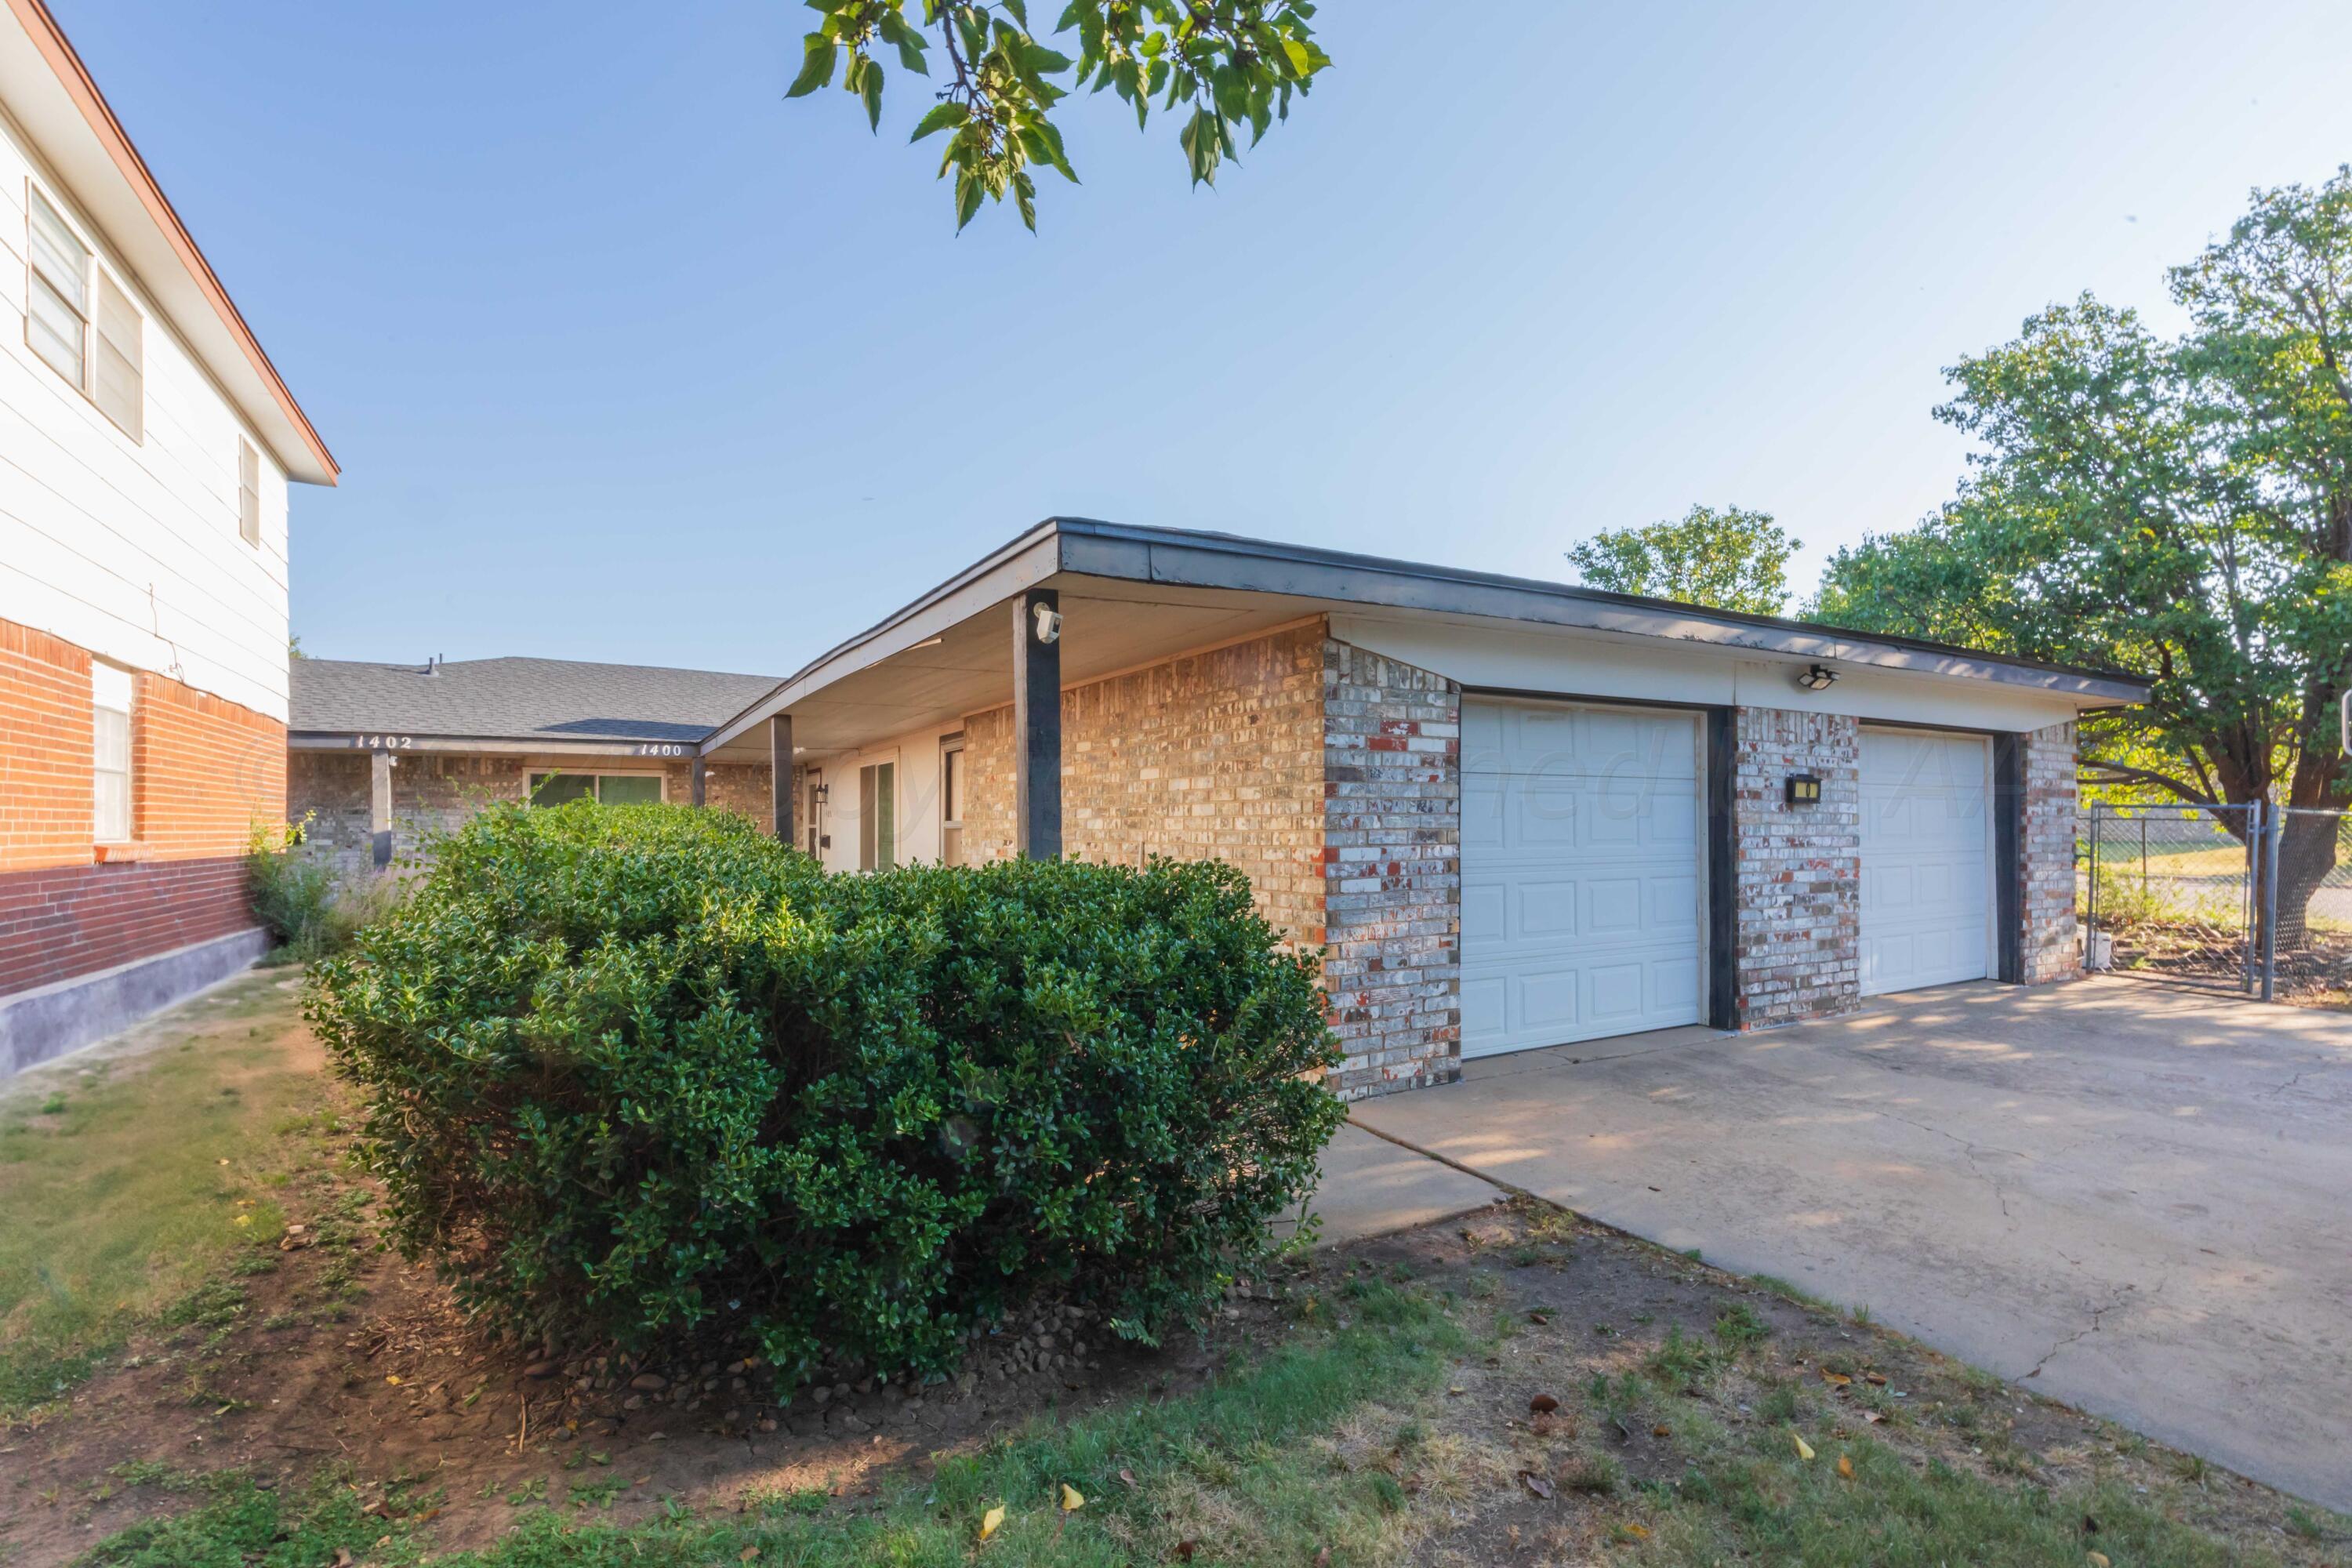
point(1211, 756)
point(1796, 870)
point(45, 750)
point(2046, 856)
point(205, 772)
point(1392, 870)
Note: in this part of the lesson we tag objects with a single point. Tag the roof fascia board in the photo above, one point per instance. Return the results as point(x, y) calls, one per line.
point(495, 745)
point(1026, 562)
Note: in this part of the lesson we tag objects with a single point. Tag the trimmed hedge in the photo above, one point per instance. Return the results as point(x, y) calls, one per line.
point(633, 1073)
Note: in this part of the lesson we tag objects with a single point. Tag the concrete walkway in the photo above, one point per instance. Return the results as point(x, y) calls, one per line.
point(2138, 1198)
point(1372, 1187)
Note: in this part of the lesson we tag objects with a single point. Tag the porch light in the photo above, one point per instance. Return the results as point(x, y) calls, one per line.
point(820, 793)
point(1818, 678)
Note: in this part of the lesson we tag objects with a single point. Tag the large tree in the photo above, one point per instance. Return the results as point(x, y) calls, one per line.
point(1729, 557)
point(1235, 62)
point(2179, 506)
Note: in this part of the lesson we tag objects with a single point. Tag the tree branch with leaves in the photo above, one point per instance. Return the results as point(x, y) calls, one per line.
point(1238, 63)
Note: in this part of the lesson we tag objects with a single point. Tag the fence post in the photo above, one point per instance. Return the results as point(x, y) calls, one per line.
point(2253, 893)
point(2091, 900)
point(2273, 829)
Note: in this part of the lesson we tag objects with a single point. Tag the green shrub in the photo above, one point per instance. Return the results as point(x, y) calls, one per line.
point(632, 1072)
point(310, 909)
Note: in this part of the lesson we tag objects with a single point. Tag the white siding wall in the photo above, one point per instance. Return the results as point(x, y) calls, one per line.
point(131, 548)
point(917, 754)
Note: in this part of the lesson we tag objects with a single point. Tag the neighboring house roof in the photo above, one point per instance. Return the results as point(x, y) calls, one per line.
point(51, 93)
point(515, 700)
point(1186, 565)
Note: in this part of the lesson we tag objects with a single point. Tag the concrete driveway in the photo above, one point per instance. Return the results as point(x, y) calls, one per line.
point(2138, 1198)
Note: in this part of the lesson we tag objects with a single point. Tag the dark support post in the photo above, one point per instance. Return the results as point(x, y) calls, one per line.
point(1722, 870)
point(2008, 855)
point(380, 807)
point(699, 783)
point(779, 774)
point(1037, 724)
point(2273, 832)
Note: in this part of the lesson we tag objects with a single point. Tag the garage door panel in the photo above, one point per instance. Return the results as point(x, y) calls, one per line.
point(1580, 836)
point(1926, 844)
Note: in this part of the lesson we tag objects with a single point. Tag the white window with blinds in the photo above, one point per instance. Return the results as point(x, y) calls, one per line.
point(57, 291)
point(110, 702)
point(952, 801)
point(248, 492)
point(80, 320)
point(877, 816)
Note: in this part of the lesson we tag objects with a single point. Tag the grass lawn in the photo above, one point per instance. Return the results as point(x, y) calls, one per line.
point(130, 1174)
point(1519, 1387)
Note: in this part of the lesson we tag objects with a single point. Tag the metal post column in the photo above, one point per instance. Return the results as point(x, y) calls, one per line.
point(780, 774)
point(1037, 724)
point(2275, 824)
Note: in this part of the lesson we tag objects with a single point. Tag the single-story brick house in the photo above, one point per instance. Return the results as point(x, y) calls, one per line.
point(1511, 813)
point(380, 755)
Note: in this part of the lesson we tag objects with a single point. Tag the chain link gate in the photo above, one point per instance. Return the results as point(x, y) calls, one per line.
point(2308, 956)
point(2172, 892)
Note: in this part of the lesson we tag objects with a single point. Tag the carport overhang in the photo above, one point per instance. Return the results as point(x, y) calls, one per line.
point(1131, 597)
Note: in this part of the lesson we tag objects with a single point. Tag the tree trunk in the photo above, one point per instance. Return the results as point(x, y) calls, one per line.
point(2307, 852)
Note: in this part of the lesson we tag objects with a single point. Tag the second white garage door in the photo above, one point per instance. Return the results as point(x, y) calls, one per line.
point(1582, 913)
point(1926, 860)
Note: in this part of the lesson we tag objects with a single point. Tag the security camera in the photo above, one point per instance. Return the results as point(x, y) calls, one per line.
point(1049, 622)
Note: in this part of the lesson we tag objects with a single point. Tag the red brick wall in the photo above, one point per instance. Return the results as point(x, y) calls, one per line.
point(45, 750)
point(77, 919)
point(205, 772)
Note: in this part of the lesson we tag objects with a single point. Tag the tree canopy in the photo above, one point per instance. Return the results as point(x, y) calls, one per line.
point(1729, 557)
point(1236, 62)
point(2180, 506)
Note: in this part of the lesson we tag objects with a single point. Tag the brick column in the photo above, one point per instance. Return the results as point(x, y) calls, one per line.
point(1797, 869)
point(2045, 857)
point(1392, 870)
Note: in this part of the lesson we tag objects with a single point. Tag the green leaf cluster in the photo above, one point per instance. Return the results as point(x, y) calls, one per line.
point(635, 1074)
point(1727, 557)
point(1234, 63)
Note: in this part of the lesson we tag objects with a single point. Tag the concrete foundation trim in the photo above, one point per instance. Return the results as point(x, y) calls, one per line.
point(40, 1024)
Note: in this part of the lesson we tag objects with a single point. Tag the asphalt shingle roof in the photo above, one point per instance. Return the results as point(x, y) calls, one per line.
point(518, 700)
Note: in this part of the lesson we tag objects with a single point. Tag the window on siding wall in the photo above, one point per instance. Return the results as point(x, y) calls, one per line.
point(612, 789)
point(119, 378)
point(952, 801)
point(248, 492)
point(877, 816)
point(57, 293)
point(110, 701)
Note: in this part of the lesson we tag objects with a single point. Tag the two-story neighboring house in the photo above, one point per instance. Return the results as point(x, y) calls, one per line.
point(146, 444)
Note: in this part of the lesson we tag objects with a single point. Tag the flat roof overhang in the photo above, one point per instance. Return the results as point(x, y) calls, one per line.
point(1131, 597)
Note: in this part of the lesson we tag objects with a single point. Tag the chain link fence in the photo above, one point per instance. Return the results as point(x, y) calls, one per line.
point(2169, 892)
point(2240, 897)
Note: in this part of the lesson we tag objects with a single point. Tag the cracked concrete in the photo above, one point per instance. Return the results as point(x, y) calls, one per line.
point(2139, 1197)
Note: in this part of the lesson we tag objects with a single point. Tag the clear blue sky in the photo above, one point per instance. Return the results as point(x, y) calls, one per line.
point(627, 358)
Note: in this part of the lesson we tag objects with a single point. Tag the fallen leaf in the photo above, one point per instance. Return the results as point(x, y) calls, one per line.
point(1876, 1378)
point(1539, 1319)
point(1184, 1549)
point(1536, 1484)
point(990, 1520)
point(1634, 1532)
point(1071, 1500)
point(1804, 1450)
point(1846, 1467)
point(1455, 1391)
point(2096, 1559)
point(748, 1554)
point(1127, 1476)
point(393, 1378)
point(1543, 1405)
point(1872, 1416)
point(1661, 1430)
point(1835, 1379)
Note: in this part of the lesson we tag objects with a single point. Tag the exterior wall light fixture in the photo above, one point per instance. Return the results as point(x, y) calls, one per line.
point(1818, 678)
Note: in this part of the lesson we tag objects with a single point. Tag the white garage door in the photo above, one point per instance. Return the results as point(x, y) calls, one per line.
point(1581, 873)
point(1926, 860)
